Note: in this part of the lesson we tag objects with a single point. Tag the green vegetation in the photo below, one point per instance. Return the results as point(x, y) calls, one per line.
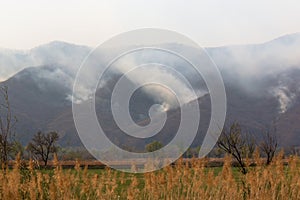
point(184, 180)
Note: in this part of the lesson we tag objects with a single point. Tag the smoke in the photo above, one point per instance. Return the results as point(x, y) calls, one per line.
point(258, 68)
point(254, 68)
point(54, 53)
point(287, 90)
point(170, 77)
point(11, 62)
point(55, 75)
point(285, 98)
point(260, 59)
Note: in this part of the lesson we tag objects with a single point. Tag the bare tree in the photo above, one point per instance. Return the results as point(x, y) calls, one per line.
point(250, 145)
point(268, 146)
point(43, 145)
point(7, 125)
point(240, 146)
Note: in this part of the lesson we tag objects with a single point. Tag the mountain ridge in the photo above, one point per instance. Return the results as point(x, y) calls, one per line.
point(262, 86)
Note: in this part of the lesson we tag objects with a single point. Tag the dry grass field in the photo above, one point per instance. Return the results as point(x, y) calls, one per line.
point(193, 180)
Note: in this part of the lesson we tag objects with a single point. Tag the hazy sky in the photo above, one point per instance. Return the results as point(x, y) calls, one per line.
point(25, 24)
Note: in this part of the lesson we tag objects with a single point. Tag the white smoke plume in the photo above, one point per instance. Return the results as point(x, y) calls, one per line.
point(285, 98)
point(244, 65)
point(61, 53)
point(158, 73)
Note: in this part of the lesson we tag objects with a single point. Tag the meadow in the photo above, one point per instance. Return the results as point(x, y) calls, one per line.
point(192, 180)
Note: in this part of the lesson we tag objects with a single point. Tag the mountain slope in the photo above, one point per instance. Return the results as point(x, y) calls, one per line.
point(60, 53)
point(262, 82)
point(36, 99)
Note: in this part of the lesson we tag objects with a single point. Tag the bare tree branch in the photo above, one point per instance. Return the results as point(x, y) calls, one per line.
point(43, 145)
point(237, 145)
point(268, 146)
point(7, 124)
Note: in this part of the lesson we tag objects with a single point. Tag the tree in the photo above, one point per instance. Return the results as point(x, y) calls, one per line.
point(43, 145)
point(154, 146)
point(268, 146)
point(236, 144)
point(7, 125)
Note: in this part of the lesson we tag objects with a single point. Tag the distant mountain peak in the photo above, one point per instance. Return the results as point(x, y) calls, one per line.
point(60, 44)
point(287, 39)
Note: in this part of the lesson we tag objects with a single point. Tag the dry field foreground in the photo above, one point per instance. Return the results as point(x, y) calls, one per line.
point(181, 181)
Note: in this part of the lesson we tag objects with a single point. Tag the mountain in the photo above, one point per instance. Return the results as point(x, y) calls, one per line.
point(56, 52)
point(262, 83)
point(35, 99)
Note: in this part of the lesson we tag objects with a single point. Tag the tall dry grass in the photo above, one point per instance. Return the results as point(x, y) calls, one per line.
point(183, 181)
